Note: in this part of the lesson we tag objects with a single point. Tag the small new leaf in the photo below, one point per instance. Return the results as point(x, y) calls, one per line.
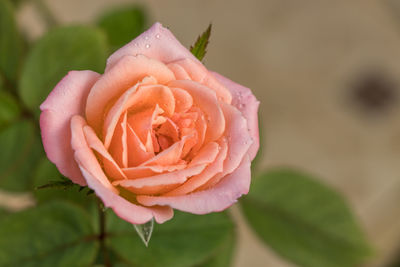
point(145, 231)
point(199, 48)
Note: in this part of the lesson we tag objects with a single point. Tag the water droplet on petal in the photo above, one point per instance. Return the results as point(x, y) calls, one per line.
point(147, 46)
point(158, 36)
point(146, 38)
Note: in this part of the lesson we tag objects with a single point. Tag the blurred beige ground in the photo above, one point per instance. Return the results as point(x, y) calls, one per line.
point(299, 57)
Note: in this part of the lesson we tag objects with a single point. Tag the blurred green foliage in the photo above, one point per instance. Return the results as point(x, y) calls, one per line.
point(304, 221)
point(21, 150)
point(59, 51)
point(9, 108)
point(122, 25)
point(10, 42)
point(53, 234)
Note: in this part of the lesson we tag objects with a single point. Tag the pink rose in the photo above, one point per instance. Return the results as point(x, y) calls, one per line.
point(156, 131)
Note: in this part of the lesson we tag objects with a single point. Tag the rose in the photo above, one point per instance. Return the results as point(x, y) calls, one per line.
point(156, 131)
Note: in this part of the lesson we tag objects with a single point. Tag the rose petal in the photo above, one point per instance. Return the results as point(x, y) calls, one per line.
point(142, 123)
point(127, 72)
point(138, 100)
point(239, 142)
point(183, 100)
point(246, 102)
point(157, 42)
point(170, 178)
point(67, 99)
point(146, 171)
point(137, 153)
point(119, 144)
point(83, 155)
point(96, 180)
point(170, 156)
point(124, 209)
point(214, 199)
point(111, 167)
point(198, 73)
point(170, 130)
point(198, 180)
point(207, 101)
point(179, 72)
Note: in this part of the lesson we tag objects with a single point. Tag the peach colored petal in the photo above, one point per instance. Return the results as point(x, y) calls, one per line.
point(169, 129)
point(84, 156)
point(67, 99)
point(198, 73)
point(126, 210)
point(198, 180)
point(170, 178)
point(246, 102)
point(179, 72)
point(207, 101)
point(239, 142)
point(111, 167)
point(137, 153)
point(215, 199)
point(137, 99)
point(119, 145)
point(183, 100)
point(152, 190)
point(157, 42)
point(124, 74)
point(170, 156)
point(142, 123)
point(145, 171)
point(96, 180)
point(201, 128)
point(119, 107)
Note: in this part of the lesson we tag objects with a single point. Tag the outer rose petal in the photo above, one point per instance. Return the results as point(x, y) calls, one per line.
point(246, 102)
point(97, 181)
point(68, 98)
point(157, 42)
point(218, 198)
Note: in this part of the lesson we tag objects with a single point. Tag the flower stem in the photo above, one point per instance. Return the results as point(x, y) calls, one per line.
point(102, 235)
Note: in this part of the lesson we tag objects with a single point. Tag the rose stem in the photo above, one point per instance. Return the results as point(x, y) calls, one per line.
point(102, 236)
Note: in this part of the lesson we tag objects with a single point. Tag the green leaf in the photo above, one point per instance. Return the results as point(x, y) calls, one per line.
point(199, 49)
point(185, 240)
point(9, 108)
point(10, 42)
point(57, 234)
point(45, 174)
point(122, 25)
point(59, 51)
point(145, 231)
point(21, 150)
point(304, 221)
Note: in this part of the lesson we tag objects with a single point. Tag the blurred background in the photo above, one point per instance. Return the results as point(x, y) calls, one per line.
point(327, 74)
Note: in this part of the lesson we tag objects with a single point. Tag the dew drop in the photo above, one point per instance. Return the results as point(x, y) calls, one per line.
point(158, 36)
point(146, 38)
point(147, 46)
